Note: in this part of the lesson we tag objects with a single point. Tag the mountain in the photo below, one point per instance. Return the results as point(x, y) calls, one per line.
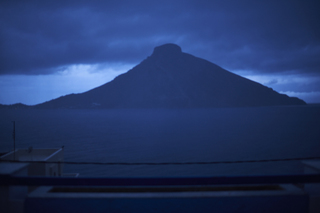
point(170, 78)
point(14, 106)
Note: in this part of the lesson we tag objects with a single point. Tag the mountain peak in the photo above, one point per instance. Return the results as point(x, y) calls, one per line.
point(167, 49)
point(173, 79)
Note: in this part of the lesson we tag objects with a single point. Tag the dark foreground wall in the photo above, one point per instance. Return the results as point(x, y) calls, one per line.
point(289, 199)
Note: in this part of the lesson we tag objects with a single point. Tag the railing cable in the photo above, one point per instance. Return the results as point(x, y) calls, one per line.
point(167, 163)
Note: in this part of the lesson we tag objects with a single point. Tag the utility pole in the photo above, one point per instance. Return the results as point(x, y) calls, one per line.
point(14, 140)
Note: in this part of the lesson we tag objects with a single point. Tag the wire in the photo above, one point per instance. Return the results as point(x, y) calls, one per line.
point(165, 163)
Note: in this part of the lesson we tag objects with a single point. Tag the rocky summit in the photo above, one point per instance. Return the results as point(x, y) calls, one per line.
point(170, 78)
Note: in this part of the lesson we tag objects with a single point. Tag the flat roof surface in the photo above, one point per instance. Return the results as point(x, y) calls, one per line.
point(32, 155)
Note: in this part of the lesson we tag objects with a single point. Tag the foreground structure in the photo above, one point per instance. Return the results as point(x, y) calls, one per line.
point(23, 190)
point(36, 163)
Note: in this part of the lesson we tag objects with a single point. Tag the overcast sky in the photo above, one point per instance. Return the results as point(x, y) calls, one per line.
point(53, 48)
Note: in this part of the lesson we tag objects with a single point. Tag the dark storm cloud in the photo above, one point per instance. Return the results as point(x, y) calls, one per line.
point(273, 36)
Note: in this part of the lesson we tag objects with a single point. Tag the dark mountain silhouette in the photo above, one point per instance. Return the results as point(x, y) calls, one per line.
point(14, 106)
point(170, 78)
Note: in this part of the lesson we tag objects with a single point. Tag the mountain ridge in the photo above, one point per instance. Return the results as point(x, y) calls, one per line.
point(170, 78)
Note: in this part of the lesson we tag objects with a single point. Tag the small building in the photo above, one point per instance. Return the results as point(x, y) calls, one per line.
point(39, 160)
point(27, 162)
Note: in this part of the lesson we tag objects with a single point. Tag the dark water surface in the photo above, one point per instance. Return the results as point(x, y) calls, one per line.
point(190, 135)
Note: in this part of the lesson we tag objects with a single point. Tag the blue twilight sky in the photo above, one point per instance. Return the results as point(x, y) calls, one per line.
point(53, 48)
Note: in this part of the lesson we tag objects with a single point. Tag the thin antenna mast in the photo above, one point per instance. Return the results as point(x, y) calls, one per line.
point(14, 140)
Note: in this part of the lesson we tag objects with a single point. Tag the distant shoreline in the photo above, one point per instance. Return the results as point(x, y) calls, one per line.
point(24, 106)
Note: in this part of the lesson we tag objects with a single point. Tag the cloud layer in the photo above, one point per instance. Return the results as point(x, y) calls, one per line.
point(273, 36)
point(259, 37)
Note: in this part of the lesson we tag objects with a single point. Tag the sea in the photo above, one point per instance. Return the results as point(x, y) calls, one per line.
point(198, 136)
